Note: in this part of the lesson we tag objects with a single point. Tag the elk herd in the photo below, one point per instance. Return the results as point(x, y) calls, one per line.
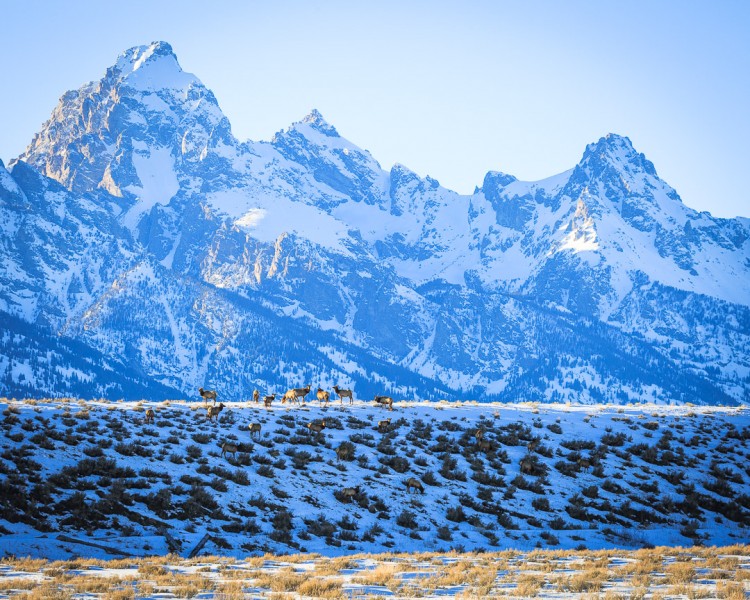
point(293, 396)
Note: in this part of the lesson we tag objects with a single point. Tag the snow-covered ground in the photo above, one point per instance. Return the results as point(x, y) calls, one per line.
point(613, 574)
point(560, 476)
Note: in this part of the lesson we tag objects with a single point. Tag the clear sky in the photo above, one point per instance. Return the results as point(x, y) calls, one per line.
point(449, 89)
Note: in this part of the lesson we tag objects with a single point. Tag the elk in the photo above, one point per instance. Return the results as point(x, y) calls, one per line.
point(254, 428)
point(207, 395)
point(384, 401)
point(316, 427)
point(484, 445)
point(350, 492)
point(288, 395)
point(527, 465)
point(343, 452)
point(344, 394)
point(268, 399)
point(323, 396)
point(584, 464)
point(213, 411)
point(301, 392)
point(412, 482)
point(150, 415)
point(533, 445)
point(256, 396)
point(384, 425)
point(227, 448)
point(479, 434)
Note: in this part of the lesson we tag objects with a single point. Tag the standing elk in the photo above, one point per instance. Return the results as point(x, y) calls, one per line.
point(412, 482)
point(479, 435)
point(150, 415)
point(213, 411)
point(268, 399)
point(316, 427)
point(207, 395)
point(227, 448)
point(254, 428)
point(527, 465)
point(350, 493)
point(301, 393)
point(344, 394)
point(256, 396)
point(484, 445)
point(343, 452)
point(323, 396)
point(384, 401)
point(384, 425)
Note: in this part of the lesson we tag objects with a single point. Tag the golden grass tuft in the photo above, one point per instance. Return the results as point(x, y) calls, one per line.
point(384, 575)
point(680, 572)
point(730, 590)
point(321, 588)
point(528, 585)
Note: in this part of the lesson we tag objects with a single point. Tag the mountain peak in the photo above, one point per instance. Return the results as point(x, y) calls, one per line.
point(316, 121)
point(152, 66)
point(617, 151)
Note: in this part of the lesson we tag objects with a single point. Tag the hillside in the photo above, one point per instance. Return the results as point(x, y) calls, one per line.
point(546, 476)
point(137, 229)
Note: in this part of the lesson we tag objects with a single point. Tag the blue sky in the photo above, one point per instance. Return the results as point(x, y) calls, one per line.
point(449, 89)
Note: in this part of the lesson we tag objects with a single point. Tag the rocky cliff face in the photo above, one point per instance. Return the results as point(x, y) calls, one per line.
point(138, 227)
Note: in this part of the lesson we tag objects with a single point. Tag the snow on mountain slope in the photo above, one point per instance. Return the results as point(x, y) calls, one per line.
point(479, 294)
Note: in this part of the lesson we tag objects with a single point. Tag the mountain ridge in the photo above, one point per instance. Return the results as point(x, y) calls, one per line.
point(310, 226)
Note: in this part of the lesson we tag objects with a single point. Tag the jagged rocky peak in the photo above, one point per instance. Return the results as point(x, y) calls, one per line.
point(316, 121)
point(616, 152)
point(146, 115)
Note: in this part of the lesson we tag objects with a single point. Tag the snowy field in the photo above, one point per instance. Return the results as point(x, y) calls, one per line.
point(92, 479)
point(660, 573)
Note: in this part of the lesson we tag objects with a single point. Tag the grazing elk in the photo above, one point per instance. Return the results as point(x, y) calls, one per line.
point(343, 452)
point(207, 395)
point(268, 399)
point(384, 401)
point(254, 428)
point(150, 415)
point(413, 482)
point(323, 396)
point(350, 493)
point(344, 394)
point(316, 427)
point(384, 425)
point(227, 448)
point(213, 411)
point(256, 396)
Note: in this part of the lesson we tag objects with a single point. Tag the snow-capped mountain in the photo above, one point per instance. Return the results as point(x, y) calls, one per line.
point(138, 227)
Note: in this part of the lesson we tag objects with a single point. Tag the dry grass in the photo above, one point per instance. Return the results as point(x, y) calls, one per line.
point(730, 591)
point(321, 588)
point(529, 586)
point(285, 580)
point(384, 575)
point(474, 574)
point(47, 591)
point(680, 572)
